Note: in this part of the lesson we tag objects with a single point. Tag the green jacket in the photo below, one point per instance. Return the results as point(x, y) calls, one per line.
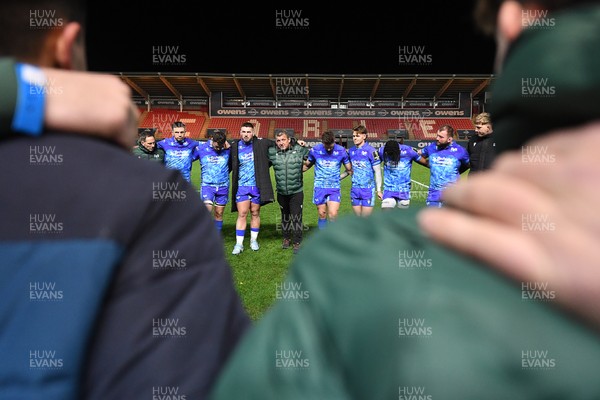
point(287, 165)
point(157, 155)
point(373, 309)
point(8, 93)
point(550, 79)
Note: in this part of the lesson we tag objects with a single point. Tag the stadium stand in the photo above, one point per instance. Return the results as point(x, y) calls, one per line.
point(262, 126)
point(161, 120)
point(197, 124)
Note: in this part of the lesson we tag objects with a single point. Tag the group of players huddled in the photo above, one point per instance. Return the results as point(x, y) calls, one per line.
point(249, 159)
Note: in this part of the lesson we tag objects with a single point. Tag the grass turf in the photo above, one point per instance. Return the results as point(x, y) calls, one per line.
point(256, 274)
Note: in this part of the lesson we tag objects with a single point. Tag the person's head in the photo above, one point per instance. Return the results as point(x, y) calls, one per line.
point(504, 20)
point(328, 140)
point(391, 151)
point(359, 135)
point(218, 140)
point(444, 136)
point(48, 33)
point(247, 131)
point(483, 124)
point(147, 140)
point(178, 129)
point(282, 140)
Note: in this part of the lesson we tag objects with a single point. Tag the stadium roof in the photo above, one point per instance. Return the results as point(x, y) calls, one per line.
point(306, 87)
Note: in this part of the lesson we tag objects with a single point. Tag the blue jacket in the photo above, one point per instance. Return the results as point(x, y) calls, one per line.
point(113, 282)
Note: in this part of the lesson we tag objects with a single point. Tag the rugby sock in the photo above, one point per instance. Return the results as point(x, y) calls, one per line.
point(219, 225)
point(254, 233)
point(322, 223)
point(239, 236)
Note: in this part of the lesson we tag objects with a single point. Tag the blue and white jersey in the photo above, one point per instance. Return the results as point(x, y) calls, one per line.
point(179, 155)
point(327, 165)
point(215, 165)
point(396, 175)
point(444, 165)
point(246, 175)
point(363, 160)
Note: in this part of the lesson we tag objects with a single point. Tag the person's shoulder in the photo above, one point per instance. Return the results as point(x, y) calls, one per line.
point(430, 148)
point(460, 147)
point(190, 142)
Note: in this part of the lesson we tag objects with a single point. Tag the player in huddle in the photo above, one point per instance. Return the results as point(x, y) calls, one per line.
point(367, 173)
point(213, 157)
point(447, 160)
point(327, 157)
point(179, 150)
point(397, 161)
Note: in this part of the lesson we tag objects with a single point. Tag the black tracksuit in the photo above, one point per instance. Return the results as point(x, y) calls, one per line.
point(482, 152)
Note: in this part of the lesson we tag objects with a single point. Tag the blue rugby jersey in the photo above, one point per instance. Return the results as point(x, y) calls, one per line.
point(444, 165)
point(396, 176)
point(179, 155)
point(215, 169)
point(247, 176)
point(327, 165)
point(363, 160)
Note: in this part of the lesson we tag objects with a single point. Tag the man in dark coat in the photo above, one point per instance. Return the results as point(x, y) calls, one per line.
point(482, 145)
point(251, 185)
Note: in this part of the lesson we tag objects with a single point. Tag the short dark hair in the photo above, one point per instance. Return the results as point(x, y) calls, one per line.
point(360, 129)
point(391, 151)
point(177, 124)
point(448, 129)
point(281, 133)
point(248, 125)
point(146, 134)
point(219, 137)
point(327, 137)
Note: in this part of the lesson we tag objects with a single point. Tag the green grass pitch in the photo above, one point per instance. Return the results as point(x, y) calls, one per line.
point(257, 273)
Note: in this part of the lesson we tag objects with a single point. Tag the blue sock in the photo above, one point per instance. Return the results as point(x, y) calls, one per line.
point(219, 225)
point(322, 223)
point(254, 233)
